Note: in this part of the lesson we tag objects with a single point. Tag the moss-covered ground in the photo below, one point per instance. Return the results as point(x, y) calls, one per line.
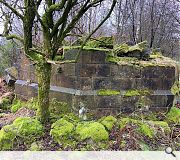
point(65, 131)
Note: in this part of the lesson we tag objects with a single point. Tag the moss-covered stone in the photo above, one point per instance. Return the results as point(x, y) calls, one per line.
point(134, 92)
point(61, 130)
point(142, 127)
point(131, 51)
point(175, 89)
point(101, 42)
point(107, 92)
point(108, 122)
point(173, 116)
point(91, 130)
point(23, 128)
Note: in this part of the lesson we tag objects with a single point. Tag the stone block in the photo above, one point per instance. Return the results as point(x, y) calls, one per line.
point(157, 72)
point(98, 57)
point(71, 54)
point(66, 81)
point(103, 70)
point(167, 83)
point(152, 83)
point(87, 100)
point(85, 57)
point(127, 71)
point(114, 69)
point(122, 83)
point(60, 96)
point(101, 83)
point(85, 70)
point(84, 83)
point(128, 104)
point(107, 101)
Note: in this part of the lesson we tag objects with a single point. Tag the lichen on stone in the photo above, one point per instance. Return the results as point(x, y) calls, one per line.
point(107, 92)
point(108, 122)
point(91, 130)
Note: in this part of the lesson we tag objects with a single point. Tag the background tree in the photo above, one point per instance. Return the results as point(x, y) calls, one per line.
point(52, 21)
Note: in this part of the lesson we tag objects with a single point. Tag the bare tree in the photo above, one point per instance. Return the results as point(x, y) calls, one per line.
point(55, 23)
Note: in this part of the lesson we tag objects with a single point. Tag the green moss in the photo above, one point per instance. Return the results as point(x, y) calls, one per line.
point(107, 92)
point(36, 146)
point(155, 55)
point(17, 104)
point(101, 42)
point(108, 122)
point(58, 58)
point(5, 103)
point(143, 128)
point(175, 89)
point(134, 92)
point(120, 49)
point(121, 60)
point(23, 128)
point(28, 127)
point(161, 124)
point(124, 48)
point(7, 136)
point(173, 116)
point(91, 130)
point(32, 104)
point(61, 130)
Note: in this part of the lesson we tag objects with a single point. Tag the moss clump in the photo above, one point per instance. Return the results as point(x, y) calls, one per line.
point(155, 55)
point(23, 128)
point(58, 58)
point(101, 42)
point(91, 130)
point(175, 89)
point(173, 116)
point(160, 124)
point(61, 130)
point(7, 136)
point(124, 49)
point(5, 103)
point(108, 122)
point(17, 104)
point(107, 92)
point(35, 146)
point(121, 60)
point(142, 128)
point(131, 93)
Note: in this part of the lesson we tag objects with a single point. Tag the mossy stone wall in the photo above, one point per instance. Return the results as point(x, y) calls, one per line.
point(80, 81)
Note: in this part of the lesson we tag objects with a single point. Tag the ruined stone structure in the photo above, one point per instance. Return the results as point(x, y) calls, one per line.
point(81, 81)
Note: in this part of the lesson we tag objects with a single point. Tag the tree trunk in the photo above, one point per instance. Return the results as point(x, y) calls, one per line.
point(43, 70)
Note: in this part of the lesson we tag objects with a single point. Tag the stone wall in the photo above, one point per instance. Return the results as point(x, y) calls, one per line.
point(80, 81)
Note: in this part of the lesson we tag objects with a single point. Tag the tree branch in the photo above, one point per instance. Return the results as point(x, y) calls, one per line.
point(102, 22)
point(12, 9)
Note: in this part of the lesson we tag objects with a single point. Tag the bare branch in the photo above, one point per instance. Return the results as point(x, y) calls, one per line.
point(12, 9)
